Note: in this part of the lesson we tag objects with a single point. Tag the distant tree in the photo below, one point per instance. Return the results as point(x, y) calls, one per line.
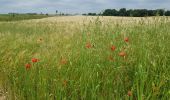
point(122, 12)
point(160, 12)
point(92, 14)
point(56, 11)
point(143, 12)
point(114, 12)
point(140, 13)
point(84, 14)
point(151, 12)
point(167, 13)
point(89, 13)
point(135, 12)
point(108, 12)
point(129, 12)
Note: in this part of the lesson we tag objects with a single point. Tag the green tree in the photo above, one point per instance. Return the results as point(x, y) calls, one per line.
point(122, 12)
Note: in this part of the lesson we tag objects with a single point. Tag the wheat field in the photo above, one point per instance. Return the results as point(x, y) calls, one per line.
point(85, 58)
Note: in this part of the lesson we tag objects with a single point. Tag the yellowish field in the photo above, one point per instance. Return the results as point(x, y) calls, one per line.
point(81, 19)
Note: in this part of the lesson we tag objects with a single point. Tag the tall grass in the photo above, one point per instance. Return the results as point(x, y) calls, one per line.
point(75, 61)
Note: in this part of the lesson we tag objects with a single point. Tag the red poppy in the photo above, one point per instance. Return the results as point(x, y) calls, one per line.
point(88, 45)
point(34, 60)
point(113, 48)
point(122, 54)
point(129, 93)
point(28, 66)
point(126, 39)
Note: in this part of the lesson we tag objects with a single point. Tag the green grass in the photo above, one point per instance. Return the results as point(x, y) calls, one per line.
point(68, 70)
point(17, 17)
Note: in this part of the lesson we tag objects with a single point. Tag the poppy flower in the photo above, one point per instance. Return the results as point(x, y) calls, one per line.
point(28, 66)
point(113, 48)
point(126, 39)
point(129, 93)
point(34, 60)
point(122, 54)
point(88, 45)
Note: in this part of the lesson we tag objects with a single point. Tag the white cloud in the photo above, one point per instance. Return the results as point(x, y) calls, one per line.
point(77, 5)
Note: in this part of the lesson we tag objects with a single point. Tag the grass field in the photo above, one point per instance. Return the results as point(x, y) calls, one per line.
point(85, 58)
point(17, 17)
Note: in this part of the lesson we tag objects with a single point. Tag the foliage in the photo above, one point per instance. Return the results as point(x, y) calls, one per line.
point(134, 12)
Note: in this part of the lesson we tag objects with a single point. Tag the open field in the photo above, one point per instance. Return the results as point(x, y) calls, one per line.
point(85, 58)
point(17, 17)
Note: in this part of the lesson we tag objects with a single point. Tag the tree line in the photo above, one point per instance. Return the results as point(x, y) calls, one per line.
point(132, 12)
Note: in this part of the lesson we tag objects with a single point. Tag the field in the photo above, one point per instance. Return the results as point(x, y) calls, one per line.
point(85, 58)
point(17, 17)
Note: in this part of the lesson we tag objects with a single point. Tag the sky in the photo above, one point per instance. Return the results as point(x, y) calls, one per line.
point(77, 6)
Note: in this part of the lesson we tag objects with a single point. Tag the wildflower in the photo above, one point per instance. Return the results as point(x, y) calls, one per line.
point(28, 66)
point(126, 39)
point(88, 45)
point(122, 54)
point(129, 93)
point(113, 48)
point(34, 60)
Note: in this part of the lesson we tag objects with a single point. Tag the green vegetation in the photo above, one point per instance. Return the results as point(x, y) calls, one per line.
point(132, 12)
point(92, 61)
point(16, 17)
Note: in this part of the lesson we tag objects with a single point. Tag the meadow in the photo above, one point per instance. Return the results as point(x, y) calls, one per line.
point(85, 58)
point(18, 17)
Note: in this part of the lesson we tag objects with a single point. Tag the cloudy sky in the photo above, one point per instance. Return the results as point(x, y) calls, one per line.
point(77, 6)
